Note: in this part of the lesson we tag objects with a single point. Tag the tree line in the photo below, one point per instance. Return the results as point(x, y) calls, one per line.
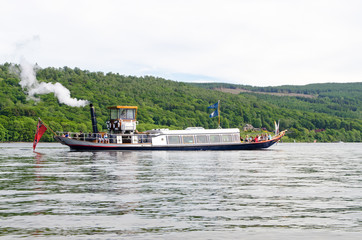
point(162, 104)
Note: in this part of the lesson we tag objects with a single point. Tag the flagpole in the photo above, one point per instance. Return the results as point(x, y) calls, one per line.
point(218, 110)
point(48, 127)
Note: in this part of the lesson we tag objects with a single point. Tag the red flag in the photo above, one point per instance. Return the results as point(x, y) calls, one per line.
point(40, 130)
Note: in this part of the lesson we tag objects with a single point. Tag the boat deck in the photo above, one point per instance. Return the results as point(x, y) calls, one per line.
point(94, 144)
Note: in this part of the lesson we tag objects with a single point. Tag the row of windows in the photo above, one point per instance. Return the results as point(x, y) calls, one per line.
point(123, 114)
point(189, 139)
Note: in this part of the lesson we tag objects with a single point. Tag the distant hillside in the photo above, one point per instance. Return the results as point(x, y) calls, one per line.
point(338, 99)
point(162, 103)
point(280, 94)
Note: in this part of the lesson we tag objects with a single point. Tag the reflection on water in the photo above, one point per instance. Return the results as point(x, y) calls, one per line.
point(290, 190)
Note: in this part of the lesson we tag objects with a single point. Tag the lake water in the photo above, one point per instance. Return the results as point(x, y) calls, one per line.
point(290, 191)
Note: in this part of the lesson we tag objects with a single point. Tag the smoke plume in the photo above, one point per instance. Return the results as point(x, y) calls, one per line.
point(30, 84)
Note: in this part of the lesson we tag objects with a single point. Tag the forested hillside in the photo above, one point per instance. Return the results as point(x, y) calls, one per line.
point(338, 99)
point(162, 103)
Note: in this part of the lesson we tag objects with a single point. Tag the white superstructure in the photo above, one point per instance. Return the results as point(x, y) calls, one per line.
point(198, 136)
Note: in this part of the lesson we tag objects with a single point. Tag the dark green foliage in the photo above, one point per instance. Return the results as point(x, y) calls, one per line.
point(338, 99)
point(164, 103)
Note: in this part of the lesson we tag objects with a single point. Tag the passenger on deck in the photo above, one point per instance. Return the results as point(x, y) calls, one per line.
point(100, 139)
point(105, 136)
point(265, 137)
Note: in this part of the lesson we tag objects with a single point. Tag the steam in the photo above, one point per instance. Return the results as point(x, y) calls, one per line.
point(32, 86)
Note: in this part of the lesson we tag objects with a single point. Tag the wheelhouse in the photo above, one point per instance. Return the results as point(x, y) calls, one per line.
point(122, 119)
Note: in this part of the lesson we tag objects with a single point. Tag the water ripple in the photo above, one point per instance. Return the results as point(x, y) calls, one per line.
point(287, 191)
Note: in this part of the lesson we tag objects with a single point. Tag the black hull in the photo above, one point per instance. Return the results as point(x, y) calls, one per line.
point(87, 146)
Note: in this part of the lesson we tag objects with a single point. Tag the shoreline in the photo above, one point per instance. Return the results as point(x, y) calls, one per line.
point(278, 142)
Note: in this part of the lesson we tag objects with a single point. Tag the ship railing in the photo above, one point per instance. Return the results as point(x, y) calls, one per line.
point(111, 138)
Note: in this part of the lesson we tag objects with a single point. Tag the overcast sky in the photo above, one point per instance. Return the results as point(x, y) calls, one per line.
point(251, 42)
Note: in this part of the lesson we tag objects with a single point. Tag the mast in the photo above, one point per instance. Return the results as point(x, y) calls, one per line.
point(47, 126)
point(218, 110)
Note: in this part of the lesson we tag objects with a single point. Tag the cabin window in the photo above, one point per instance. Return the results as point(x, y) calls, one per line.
point(201, 139)
point(122, 113)
point(227, 138)
point(188, 139)
point(214, 138)
point(236, 137)
point(127, 114)
point(130, 114)
point(114, 113)
point(173, 139)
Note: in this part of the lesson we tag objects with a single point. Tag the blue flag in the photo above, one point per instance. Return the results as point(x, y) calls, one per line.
point(214, 105)
point(214, 113)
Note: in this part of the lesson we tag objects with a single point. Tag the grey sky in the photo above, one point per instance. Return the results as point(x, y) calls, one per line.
point(245, 42)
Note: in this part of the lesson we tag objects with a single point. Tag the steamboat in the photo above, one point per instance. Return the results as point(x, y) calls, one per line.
point(122, 134)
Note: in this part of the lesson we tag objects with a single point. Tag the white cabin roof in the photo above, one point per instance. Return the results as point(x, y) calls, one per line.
point(193, 131)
